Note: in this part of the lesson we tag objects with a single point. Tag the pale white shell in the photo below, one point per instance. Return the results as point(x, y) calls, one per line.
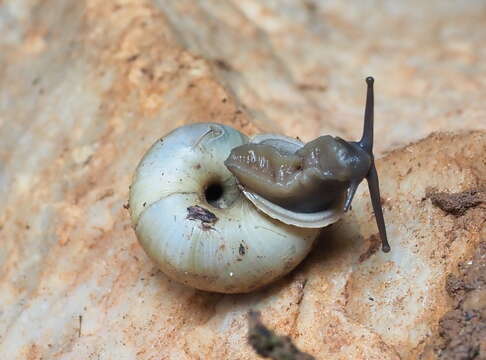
point(309, 220)
point(243, 250)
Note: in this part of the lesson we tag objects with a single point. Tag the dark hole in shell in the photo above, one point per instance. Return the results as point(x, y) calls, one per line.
point(213, 194)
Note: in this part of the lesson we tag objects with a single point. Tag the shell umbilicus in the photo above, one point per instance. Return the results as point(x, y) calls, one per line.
point(235, 228)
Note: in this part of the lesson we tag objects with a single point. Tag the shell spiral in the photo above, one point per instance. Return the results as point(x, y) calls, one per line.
point(194, 222)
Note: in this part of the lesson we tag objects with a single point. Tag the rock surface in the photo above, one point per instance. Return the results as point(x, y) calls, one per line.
point(88, 86)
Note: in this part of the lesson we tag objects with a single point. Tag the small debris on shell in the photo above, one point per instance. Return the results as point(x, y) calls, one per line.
point(207, 218)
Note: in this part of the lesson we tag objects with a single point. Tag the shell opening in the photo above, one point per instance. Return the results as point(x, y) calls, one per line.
point(213, 194)
point(220, 193)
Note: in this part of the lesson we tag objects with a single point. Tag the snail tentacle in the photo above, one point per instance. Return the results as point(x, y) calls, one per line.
point(350, 194)
point(374, 189)
point(366, 143)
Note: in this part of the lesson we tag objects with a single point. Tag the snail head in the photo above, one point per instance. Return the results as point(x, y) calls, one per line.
point(319, 175)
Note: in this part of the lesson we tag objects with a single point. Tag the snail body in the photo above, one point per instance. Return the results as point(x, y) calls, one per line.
point(222, 212)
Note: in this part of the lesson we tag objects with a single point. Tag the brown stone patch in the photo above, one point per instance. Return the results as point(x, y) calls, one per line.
point(269, 345)
point(456, 203)
point(462, 330)
point(373, 246)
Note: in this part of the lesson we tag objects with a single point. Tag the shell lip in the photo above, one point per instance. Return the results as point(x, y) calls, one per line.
point(306, 220)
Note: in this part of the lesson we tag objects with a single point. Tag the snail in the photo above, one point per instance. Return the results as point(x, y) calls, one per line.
point(222, 212)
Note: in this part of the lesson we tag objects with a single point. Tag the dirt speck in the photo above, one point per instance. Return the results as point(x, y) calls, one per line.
point(456, 203)
point(312, 87)
point(133, 58)
point(106, 194)
point(223, 65)
point(207, 218)
point(373, 246)
point(242, 250)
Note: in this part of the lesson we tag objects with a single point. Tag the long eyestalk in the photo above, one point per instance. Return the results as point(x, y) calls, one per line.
point(366, 143)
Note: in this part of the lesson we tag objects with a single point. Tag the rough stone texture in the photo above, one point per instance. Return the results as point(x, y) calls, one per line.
point(88, 86)
point(457, 203)
point(463, 329)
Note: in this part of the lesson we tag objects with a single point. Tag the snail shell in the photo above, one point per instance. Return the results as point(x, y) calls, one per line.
point(193, 221)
